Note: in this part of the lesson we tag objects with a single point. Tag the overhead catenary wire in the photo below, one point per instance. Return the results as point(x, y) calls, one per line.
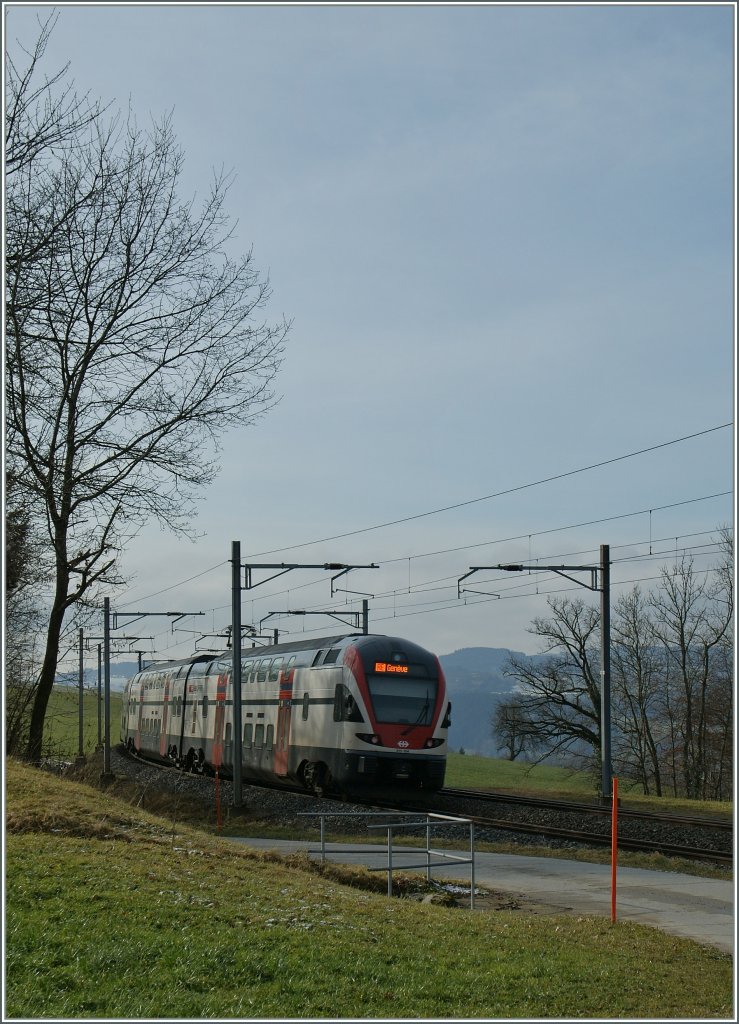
point(461, 547)
point(412, 588)
point(497, 494)
point(427, 586)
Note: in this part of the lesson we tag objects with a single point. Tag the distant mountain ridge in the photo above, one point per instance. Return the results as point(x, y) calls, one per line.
point(476, 682)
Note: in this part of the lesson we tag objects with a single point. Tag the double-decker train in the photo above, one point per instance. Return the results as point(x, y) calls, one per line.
point(345, 714)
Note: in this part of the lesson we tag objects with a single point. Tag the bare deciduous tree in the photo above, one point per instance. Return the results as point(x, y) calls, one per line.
point(692, 616)
point(560, 695)
point(637, 681)
point(672, 697)
point(512, 728)
point(134, 340)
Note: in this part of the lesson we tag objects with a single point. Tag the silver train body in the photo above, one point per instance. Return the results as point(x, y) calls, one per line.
point(344, 714)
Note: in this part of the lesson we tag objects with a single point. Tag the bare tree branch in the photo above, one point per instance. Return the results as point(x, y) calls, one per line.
point(135, 338)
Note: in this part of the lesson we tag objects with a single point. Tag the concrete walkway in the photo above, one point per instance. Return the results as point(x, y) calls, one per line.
point(695, 908)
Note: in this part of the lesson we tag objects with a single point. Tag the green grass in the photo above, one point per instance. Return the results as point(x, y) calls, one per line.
point(112, 912)
point(472, 772)
point(61, 729)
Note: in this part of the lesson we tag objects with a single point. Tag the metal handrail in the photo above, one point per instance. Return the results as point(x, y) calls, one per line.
point(430, 821)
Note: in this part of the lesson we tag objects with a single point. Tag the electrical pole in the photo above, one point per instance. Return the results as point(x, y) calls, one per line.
point(605, 670)
point(339, 568)
point(100, 709)
point(236, 666)
point(81, 747)
point(604, 587)
point(107, 774)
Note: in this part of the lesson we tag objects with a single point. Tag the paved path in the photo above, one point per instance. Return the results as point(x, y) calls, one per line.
point(695, 908)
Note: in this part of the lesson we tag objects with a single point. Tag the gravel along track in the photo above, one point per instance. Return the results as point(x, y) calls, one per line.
point(261, 804)
point(265, 805)
point(660, 830)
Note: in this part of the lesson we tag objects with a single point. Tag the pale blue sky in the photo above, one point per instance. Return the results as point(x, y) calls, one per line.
point(505, 237)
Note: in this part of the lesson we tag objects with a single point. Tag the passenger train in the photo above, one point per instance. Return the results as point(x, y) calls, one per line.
point(342, 714)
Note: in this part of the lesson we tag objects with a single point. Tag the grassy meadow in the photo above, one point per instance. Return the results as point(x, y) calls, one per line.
point(113, 912)
point(469, 771)
point(61, 730)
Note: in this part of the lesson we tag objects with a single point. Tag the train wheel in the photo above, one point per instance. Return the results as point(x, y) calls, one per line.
point(317, 777)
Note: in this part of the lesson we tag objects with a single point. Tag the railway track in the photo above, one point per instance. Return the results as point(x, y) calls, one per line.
point(688, 837)
point(593, 838)
point(575, 824)
point(721, 824)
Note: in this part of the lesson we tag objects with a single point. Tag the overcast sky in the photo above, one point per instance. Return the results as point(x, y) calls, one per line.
point(504, 235)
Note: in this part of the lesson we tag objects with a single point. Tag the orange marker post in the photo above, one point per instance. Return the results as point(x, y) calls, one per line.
point(614, 848)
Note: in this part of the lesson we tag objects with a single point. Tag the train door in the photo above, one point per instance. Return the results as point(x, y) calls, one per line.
point(284, 714)
point(140, 716)
point(219, 719)
point(163, 738)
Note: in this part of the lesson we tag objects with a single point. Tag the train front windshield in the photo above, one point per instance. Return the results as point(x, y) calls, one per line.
point(400, 699)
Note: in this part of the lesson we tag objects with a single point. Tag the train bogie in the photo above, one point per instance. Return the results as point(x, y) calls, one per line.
point(343, 714)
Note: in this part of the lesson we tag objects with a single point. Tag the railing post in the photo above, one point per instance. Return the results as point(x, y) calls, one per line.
point(390, 860)
point(428, 849)
point(472, 865)
point(323, 840)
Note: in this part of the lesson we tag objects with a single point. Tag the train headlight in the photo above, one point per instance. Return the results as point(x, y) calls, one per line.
point(368, 737)
point(433, 743)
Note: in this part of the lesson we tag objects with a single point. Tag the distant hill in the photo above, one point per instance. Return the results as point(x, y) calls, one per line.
point(120, 672)
point(476, 683)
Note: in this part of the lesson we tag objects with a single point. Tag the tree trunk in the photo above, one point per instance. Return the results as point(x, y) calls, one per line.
point(48, 669)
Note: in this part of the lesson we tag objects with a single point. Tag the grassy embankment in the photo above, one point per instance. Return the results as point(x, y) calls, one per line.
point(113, 912)
point(471, 772)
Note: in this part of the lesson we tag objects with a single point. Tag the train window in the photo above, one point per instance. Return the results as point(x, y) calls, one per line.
point(290, 664)
point(331, 657)
point(247, 734)
point(259, 735)
point(246, 667)
point(345, 707)
point(270, 737)
point(274, 671)
point(397, 699)
point(263, 670)
point(306, 706)
point(317, 658)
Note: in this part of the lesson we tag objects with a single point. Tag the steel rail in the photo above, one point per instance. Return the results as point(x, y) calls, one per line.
point(589, 808)
point(624, 843)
